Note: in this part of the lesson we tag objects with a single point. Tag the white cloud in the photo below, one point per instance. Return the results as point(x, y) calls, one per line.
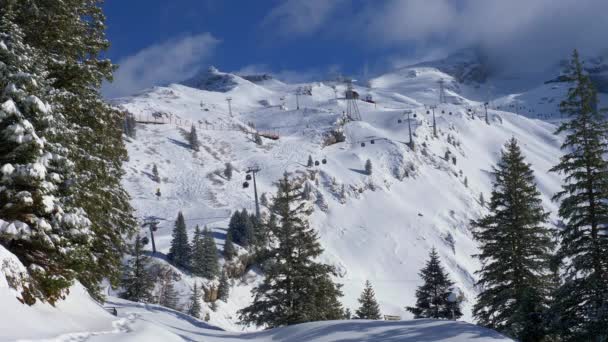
point(174, 60)
point(300, 17)
point(291, 76)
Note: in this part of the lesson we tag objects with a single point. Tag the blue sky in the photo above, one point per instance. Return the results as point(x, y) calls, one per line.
point(161, 41)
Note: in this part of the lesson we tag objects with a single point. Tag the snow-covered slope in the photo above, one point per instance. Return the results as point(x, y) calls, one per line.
point(80, 318)
point(379, 227)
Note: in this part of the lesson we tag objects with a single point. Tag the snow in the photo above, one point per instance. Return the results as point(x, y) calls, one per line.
point(380, 228)
point(385, 225)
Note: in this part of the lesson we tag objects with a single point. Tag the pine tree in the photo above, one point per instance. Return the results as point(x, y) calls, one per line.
point(137, 282)
point(70, 38)
point(228, 171)
point(229, 251)
point(179, 253)
point(72, 42)
point(130, 126)
point(310, 163)
point(194, 307)
point(241, 228)
point(50, 237)
point(197, 259)
point(167, 296)
point(211, 263)
point(369, 308)
point(296, 288)
point(155, 175)
point(223, 289)
point(368, 167)
point(516, 249)
point(433, 297)
point(193, 139)
point(582, 300)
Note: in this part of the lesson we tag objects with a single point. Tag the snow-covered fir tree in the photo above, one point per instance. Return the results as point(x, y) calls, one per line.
point(515, 252)
point(71, 43)
point(194, 305)
point(434, 298)
point(310, 163)
point(193, 139)
point(369, 308)
point(179, 252)
point(581, 307)
point(137, 282)
point(51, 238)
point(296, 288)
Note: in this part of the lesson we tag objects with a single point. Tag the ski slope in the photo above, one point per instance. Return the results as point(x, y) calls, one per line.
point(379, 227)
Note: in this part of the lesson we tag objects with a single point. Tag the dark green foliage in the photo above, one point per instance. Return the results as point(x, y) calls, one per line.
point(197, 248)
point(211, 267)
point(137, 282)
point(581, 307)
point(69, 36)
point(241, 228)
point(369, 308)
point(368, 167)
point(179, 253)
point(49, 236)
point(347, 314)
point(296, 288)
point(223, 289)
point(433, 297)
point(194, 307)
point(516, 249)
point(193, 139)
point(229, 251)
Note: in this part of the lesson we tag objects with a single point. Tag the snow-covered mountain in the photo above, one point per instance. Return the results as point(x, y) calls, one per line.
point(379, 227)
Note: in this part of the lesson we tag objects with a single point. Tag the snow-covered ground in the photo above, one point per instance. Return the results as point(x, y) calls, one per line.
point(378, 228)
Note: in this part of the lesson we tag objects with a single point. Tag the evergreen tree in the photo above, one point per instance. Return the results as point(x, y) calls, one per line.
point(193, 139)
point(228, 171)
point(211, 265)
point(347, 314)
point(229, 251)
point(433, 297)
point(515, 253)
point(179, 253)
point(137, 282)
point(50, 237)
point(368, 167)
point(197, 259)
point(369, 308)
point(130, 126)
point(223, 289)
point(194, 307)
point(167, 296)
point(310, 163)
point(155, 175)
point(241, 228)
point(296, 288)
point(70, 38)
point(582, 300)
